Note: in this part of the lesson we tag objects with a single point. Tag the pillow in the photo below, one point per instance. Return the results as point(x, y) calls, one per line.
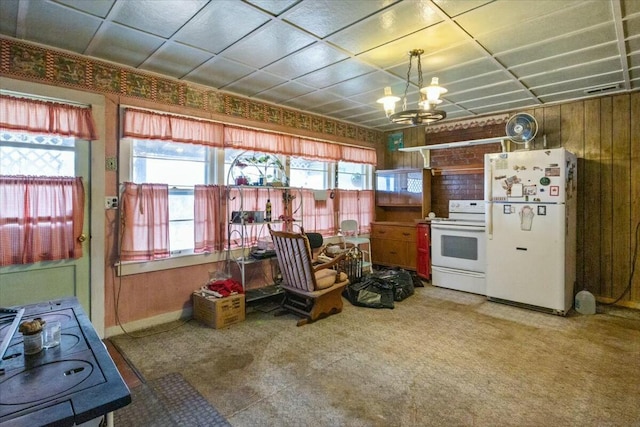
point(325, 278)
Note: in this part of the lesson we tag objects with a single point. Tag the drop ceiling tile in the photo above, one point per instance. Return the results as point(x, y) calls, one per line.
point(470, 84)
point(335, 73)
point(629, 7)
point(461, 54)
point(484, 92)
point(275, 7)
point(565, 96)
point(124, 45)
point(60, 21)
point(312, 101)
point(284, 92)
point(162, 18)
point(511, 106)
point(218, 26)
point(579, 84)
point(496, 99)
point(272, 42)
point(304, 61)
point(467, 71)
point(332, 107)
point(558, 46)
point(392, 23)
point(254, 83)
point(633, 46)
point(632, 25)
point(503, 14)
point(584, 56)
point(218, 72)
point(351, 112)
point(9, 13)
point(601, 67)
point(360, 84)
point(324, 17)
point(95, 7)
point(175, 60)
point(634, 60)
point(567, 20)
point(454, 7)
point(370, 116)
point(436, 38)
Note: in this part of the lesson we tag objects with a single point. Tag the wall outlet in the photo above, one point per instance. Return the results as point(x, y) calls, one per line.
point(111, 163)
point(111, 202)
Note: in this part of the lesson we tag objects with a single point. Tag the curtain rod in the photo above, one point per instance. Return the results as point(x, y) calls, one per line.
point(43, 98)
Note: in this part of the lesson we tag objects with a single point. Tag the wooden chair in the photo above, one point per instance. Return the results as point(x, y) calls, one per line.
point(311, 291)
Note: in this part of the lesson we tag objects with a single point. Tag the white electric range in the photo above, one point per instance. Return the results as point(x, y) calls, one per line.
point(458, 247)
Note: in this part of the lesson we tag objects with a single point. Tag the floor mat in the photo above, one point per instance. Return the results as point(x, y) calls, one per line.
point(168, 401)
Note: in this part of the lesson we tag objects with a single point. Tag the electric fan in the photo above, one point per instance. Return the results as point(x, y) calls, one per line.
point(522, 128)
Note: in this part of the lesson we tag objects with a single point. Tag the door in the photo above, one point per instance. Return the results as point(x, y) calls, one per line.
point(525, 254)
point(42, 281)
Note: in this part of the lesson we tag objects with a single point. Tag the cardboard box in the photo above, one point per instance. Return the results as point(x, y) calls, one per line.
point(218, 312)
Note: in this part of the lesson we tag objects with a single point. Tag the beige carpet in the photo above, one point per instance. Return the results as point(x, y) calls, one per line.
point(441, 358)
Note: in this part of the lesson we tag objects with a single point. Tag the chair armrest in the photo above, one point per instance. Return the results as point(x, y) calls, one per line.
point(331, 263)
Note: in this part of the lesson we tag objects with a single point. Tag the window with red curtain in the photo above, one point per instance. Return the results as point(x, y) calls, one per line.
point(207, 219)
point(41, 218)
point(145, 222)
point(358, 205)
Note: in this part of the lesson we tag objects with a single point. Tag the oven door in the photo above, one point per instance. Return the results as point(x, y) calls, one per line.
point(458, 247)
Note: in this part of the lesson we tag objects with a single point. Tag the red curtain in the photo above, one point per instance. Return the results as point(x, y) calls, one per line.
point(358, 155)
point(145, 222)
point(41, 218)
point(319, 215)
point(358, 205)
point(44, 117)
point(149, 125)
point(206, 218)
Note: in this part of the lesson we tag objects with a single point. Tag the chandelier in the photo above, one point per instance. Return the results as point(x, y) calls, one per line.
point(429, 98)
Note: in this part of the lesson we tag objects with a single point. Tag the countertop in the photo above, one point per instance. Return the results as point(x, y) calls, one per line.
point(66, 385)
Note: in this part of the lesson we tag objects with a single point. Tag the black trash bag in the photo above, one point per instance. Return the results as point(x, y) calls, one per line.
point(401, 281)
point(371, 291)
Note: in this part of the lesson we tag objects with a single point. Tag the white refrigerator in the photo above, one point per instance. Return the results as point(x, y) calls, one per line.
point(531, 228)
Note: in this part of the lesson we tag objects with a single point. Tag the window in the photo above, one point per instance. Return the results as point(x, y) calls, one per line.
point(181, 166)
point(27, 154)
point(354, 176)
point(311, 174)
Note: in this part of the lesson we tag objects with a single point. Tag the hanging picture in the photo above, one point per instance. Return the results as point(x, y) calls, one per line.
point(395, 141)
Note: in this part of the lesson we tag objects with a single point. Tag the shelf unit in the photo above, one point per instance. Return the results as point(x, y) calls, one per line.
point(244, 225)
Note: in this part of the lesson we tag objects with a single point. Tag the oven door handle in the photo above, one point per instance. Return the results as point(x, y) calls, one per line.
point(479, 229)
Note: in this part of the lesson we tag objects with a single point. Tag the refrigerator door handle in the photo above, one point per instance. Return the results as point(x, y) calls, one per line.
point(489, 207)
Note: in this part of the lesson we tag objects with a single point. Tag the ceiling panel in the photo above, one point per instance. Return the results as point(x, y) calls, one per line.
point(392, 23)
point(254, 83)
point(324, 17)
point(335, 73)
point(335, 58)
point(314, 57)
point(59, 22)
point(160, 18)
point(123, 45)
point(218, 72)
point(175, 60)
point(218, 26)
point(270, 43)
point(566, 21)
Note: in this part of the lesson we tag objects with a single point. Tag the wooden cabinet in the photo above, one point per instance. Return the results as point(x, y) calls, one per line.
point(403, 194)
point(423, 240)
point(393, 244)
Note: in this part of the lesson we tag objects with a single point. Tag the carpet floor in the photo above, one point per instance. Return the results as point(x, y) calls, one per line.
point(440, 357)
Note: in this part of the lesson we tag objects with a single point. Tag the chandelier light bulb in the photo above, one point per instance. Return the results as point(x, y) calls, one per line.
point(433, 91)
point(388, 101)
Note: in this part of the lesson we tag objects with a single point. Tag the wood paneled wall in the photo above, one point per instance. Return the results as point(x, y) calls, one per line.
point(604, 133)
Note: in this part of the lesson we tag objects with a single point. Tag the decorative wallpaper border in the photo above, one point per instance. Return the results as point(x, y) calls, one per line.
point(467, 124)
point(28, 61)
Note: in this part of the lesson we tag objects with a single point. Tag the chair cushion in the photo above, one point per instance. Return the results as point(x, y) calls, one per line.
point(325, 278)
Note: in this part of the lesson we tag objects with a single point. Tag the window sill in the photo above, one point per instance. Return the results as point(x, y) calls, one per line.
point(131, 268)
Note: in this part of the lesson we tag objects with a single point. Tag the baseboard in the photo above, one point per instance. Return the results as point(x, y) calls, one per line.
point(136, 325)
